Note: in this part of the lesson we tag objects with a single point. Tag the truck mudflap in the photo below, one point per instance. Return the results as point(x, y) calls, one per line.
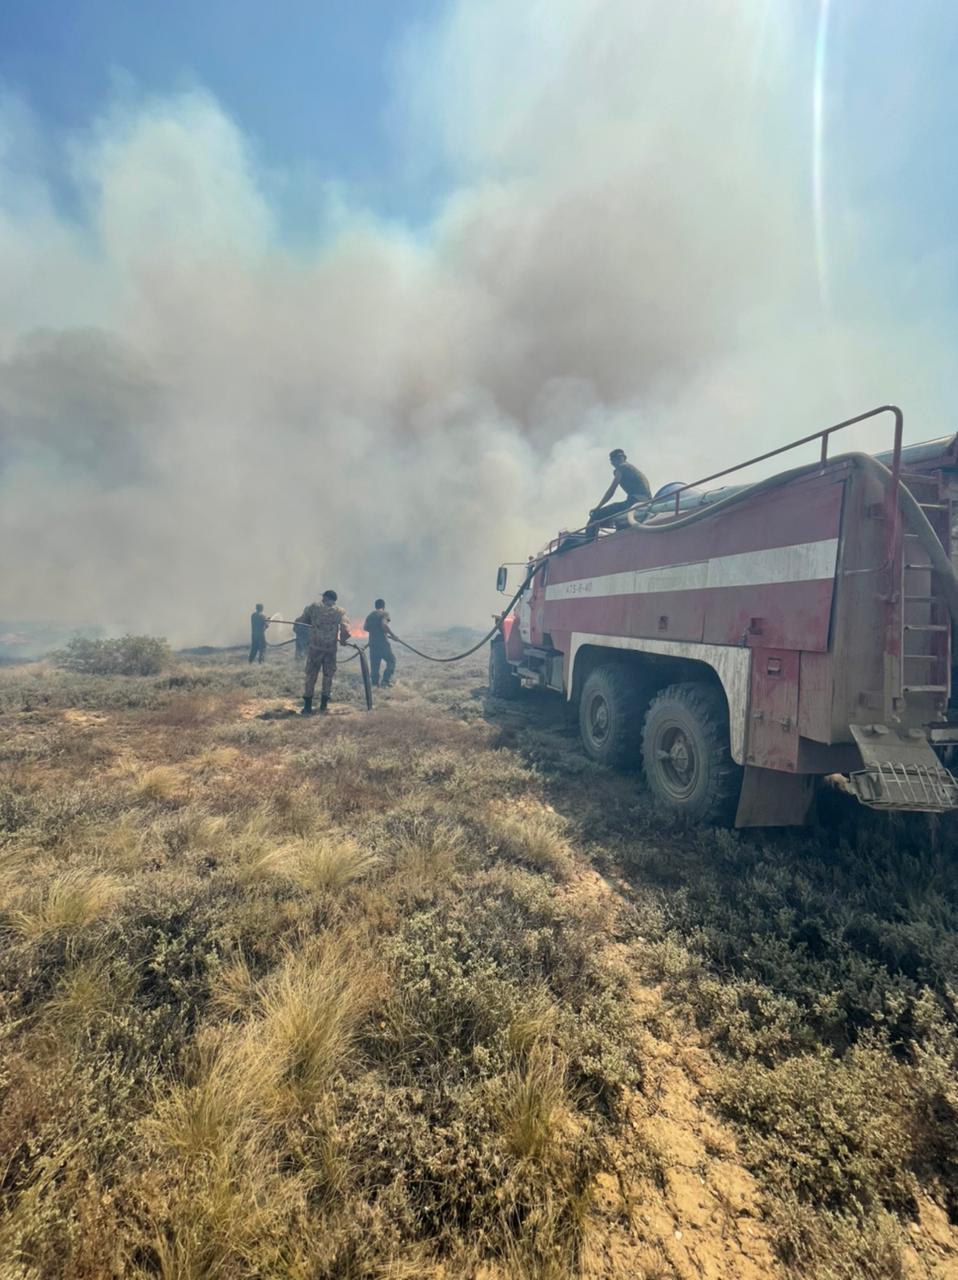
point(901, 771)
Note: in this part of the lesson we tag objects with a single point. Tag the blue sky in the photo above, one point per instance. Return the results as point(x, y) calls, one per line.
point(312, 82)
point(309, 81)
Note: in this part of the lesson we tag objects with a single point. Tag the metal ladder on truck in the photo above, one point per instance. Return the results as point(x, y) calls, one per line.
point(925, 620)
point(895, 776)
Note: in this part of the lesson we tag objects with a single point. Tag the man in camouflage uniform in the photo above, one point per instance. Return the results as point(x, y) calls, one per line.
point(328, 626)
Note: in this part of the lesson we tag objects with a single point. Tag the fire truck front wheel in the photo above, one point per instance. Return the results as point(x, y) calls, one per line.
point(610, 713)
point(503, 681)
point(686, 756)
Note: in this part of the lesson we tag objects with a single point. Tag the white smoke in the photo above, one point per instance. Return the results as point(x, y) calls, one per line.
point(195, 415)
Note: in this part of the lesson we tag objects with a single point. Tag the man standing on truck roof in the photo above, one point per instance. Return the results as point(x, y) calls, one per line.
point(258, 622)
point(328, 625)
point(633, 483)
point(380, 650)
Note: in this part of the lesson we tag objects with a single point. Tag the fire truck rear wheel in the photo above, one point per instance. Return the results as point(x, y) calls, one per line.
point(610, 713)
point(503, 681)
point(686, 753)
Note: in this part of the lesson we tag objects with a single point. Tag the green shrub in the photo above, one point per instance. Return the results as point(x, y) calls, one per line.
point(128, 656)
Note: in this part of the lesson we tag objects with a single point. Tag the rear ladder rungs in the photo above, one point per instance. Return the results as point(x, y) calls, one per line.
point(924, 688)
point(926, 626)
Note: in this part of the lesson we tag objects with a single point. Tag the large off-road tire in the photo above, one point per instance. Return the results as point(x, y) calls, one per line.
point(503, 681)
point(687, 755)
point(613, 700)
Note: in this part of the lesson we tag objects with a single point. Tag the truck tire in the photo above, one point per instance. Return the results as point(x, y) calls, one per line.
point(613, 700)
point(687, 755)
point(503, 681)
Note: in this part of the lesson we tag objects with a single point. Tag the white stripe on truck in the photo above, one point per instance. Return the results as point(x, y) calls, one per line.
point(803, 562)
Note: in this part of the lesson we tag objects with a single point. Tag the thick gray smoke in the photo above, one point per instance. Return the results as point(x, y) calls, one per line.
point(195, 415)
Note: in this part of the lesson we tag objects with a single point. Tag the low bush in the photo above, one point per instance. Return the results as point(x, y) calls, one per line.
point(127, 656)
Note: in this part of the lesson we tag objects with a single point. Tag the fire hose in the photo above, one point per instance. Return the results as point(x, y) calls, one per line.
point(458, 657)
point(360, 654)
point(429, 657)
point(910, 510)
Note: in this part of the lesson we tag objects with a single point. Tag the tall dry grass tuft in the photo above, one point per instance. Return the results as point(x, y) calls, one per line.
point(534, 837)
point(13, 863)
point(235, 989)
point(319, 863)
point(305, 1024)
point(88, 989)
point(211, 1115)
point(533, 1022)
point(70, 901)
point(121, 845)
point(430, 849)
point(161, 782)
point(533, 1103)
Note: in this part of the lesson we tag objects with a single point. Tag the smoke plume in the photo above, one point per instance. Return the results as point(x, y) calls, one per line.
point(197, 412)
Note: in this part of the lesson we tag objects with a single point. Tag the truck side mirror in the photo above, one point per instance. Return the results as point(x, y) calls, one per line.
point(502, 577)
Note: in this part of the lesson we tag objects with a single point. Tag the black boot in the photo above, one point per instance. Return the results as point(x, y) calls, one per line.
point(324, 704)
point(307, 707)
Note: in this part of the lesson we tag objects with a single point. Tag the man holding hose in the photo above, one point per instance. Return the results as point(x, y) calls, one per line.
point(328, 626)
point(377, 628)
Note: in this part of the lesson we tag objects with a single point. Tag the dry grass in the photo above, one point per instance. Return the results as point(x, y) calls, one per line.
point(87, 991)
point(305, 1024)
point(209, 1116)
point(533, 1104)
point(71, 901)
point(534, 837)
point(235, 989)
point(161, 782)
point(342, 999)
point(534, 1022)
point(319, 863)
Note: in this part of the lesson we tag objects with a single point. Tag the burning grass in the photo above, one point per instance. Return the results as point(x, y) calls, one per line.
point(346, 999)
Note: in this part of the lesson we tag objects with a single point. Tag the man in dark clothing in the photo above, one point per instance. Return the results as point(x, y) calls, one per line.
point(258, 624)
point(301, 636)
point(328, 626)
point(632, 482)
point(377, 628)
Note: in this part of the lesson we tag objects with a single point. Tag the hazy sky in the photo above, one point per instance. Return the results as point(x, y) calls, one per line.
point(361, 293)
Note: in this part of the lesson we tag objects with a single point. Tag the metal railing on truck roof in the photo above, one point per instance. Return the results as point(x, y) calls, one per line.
point(824, 436)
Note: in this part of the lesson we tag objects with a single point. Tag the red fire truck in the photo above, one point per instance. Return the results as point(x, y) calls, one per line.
point(743, 642)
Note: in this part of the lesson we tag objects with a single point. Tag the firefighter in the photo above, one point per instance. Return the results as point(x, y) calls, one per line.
point(258, 624)
point(301, 637)
point(380, 650)
point(328, 625)
point(633, 483)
